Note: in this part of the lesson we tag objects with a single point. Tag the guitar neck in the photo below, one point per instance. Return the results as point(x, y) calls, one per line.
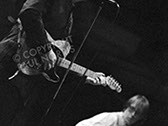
point(76, 68)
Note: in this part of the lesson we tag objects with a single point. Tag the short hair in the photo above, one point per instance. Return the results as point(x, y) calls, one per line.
point(142, 105)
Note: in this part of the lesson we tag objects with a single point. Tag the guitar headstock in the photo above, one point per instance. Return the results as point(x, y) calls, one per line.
point(113, 84)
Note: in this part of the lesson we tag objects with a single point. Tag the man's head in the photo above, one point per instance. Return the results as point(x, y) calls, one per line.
point(136, 109)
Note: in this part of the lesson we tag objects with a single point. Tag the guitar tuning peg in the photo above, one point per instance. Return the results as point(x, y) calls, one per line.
point(119, 89)
point(113, 84)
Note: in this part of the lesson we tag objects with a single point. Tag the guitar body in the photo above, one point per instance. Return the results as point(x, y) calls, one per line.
point(31, 62)
point(16, 56)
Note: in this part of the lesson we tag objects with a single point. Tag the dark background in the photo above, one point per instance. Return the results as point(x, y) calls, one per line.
point(131, 46)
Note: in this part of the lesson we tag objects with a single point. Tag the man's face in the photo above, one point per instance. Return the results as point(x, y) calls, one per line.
point(131, 114)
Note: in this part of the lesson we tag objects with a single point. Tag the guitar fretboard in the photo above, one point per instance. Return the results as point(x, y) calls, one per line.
point(76, 68)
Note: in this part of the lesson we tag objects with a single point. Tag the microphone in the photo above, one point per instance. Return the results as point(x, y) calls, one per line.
point(108, 2)
point(112, 1)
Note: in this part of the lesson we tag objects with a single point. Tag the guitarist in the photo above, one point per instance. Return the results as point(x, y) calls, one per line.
point(32, 35)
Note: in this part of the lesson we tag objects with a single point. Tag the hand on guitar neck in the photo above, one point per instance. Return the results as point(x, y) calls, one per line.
point(98, 80)
point(101, 79)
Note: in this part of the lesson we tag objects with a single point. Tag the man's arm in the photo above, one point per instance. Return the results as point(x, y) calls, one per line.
point(102, 119)
point(31, 19)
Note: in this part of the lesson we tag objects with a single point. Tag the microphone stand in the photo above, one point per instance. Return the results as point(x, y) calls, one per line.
point(73, 60)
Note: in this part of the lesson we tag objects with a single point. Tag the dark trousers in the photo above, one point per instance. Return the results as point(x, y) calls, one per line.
point(10, 103)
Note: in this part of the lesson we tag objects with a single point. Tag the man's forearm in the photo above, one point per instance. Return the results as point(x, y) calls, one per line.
point(34, 27)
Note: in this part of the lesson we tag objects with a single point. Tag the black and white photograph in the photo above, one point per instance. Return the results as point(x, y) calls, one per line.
point(83, 63)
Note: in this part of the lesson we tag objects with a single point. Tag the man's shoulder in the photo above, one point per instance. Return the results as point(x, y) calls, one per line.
point(109, 115)
point(112, 113)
